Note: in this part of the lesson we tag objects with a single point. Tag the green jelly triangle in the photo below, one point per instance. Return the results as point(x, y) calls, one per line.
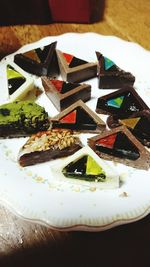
point(115, 102)
point(92, 167)
point(108, 63)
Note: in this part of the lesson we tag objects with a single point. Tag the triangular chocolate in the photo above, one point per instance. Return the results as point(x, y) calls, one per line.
point(15, 79)
point(39, 61)
point(139, 125)
point(18, 82)
point(73, 61)
point(78, 117)
point(63, 94)
point(122, 103)
point(86, 168)
point(110, 75)
point(74, 69)
point(121, 146)
point(47, 145)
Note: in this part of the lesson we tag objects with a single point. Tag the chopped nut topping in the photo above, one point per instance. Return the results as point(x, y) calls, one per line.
point(52, 139)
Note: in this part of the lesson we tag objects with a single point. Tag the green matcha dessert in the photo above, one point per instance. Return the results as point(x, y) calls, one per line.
point(22, 118)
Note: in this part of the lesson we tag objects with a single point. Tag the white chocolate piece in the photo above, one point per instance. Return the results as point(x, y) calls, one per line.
point(22, 91)
point(112, 177)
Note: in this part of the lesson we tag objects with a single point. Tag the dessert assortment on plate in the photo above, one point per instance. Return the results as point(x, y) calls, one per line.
point(124, 137)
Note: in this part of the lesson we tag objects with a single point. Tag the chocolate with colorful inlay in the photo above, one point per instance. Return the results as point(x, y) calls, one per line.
point(78, 117)
point(63, 94)
point(138, 123)
point(121, 146)
point(122, 103)
point(110, 75)
point(40, 61)
point(14, 78)
point(85, 168)
point(74, 69)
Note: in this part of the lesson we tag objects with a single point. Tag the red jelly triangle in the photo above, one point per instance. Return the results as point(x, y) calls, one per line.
point(70, 118)
point(107, 141)
point(68, 57)
point(58, 84)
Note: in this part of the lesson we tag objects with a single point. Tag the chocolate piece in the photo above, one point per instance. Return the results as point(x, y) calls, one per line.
point(22, 119)
point(122, 103)
point(40, 61)
point(64, 94)
point(73, 69)
point(138, 123)
point(121, 146)
point(86, 168)
point(110, 75)
point(78, 117)
point(47, 145)
point(15, 83)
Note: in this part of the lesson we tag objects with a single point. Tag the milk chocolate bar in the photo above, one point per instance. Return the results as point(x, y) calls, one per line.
point(78, 117)
point(63, 94)
point(110, 75)
point(73, 69)
point(39, 61)
point(122, 103)
point(121, 146)
point(47, 145)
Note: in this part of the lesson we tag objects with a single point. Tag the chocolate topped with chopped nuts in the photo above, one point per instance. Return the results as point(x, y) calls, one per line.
point(47, 145)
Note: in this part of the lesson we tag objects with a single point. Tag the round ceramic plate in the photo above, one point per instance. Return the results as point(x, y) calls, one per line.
point(34, 194)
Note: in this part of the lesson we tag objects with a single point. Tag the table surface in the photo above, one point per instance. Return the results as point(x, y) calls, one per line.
point(24, 243)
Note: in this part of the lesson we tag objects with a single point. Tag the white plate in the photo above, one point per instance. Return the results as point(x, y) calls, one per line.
point(35, 195)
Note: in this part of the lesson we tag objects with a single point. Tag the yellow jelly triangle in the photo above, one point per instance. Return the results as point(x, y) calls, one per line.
point(13, 74)
point(92, 168)
point(131, 123)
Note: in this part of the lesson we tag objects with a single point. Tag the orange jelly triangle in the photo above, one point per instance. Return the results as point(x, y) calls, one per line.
point(70, 118)
point(58, 84)
point(107, 141)
point(68, 57)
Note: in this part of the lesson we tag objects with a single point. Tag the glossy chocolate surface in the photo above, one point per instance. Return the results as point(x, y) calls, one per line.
point(138, 123)
point(40, 61)
point(63, 94)
point(74, 69)
point(118, 145)
point(122, 103)
point(111, 76)
point(14, 78)
point(84, 168)
point(77, 119)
